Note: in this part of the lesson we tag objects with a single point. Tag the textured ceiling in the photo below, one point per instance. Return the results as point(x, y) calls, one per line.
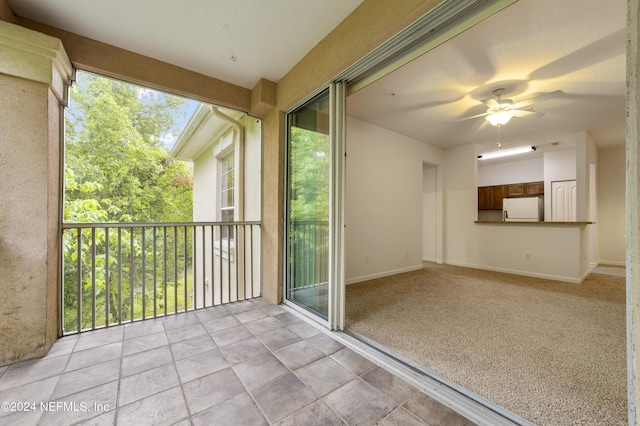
point(530, 48)
point(238, 41)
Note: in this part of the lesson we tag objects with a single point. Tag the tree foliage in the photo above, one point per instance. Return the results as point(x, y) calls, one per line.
point(115, 155)
point(117, 169)
point(309, 175)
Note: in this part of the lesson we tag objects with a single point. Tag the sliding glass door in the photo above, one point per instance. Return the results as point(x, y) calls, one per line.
point(314, 274)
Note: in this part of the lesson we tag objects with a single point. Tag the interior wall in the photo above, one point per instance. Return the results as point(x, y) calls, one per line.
point(611, 205)
point(384, 201)
point(460, 205)
point(551, 252)
point(558, 165)
point(531, 170)
point(430, 213)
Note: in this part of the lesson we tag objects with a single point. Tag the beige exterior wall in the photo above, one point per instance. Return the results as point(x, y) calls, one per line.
point(206, 178)
point(33, 76)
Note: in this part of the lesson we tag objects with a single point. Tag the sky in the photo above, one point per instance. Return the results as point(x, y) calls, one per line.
point(181, 115)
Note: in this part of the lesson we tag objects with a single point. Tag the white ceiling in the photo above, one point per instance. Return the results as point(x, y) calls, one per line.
point(238, 41)
point(530, 48)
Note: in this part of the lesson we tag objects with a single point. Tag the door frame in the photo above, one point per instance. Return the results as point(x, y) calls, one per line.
point(337, 173)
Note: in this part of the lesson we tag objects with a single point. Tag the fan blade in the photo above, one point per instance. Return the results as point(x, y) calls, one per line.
point(539, 98)
point(474, 116)
point(490, 102)
point(526, 113)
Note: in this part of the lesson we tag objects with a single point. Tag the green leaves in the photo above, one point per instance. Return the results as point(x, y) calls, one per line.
point(116, 164)
point(118, 170)
point(309, 175)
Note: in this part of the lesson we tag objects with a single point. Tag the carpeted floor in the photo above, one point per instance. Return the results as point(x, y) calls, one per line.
point(551, 352)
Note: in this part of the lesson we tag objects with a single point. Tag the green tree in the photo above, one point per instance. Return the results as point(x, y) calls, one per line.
point(309, 175)
point(114, 139)
point(118, 170)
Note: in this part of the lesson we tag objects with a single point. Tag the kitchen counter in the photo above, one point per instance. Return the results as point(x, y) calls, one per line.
point(487, 222)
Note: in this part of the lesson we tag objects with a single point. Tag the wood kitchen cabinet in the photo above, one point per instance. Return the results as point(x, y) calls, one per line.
point(490, 197)
point(516, 190)
point(533, 189)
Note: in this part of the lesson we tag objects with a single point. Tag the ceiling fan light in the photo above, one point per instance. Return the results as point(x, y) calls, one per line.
point(506, 152)
point(499, 118)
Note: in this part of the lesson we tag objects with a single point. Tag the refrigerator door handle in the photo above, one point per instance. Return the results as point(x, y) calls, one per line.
point(505, 215)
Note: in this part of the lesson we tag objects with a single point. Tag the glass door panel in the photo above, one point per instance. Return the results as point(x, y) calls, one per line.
point(308, 204)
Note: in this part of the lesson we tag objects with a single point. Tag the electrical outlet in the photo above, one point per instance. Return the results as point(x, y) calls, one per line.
point(406, 254)
point(366, 259)
point(527, 256)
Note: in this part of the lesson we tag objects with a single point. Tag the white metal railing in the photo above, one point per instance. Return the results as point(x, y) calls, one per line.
point(115, 273)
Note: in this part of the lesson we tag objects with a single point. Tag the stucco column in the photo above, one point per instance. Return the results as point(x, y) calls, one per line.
point(34, 74)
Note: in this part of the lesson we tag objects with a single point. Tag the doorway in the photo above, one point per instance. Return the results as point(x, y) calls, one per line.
point(315, 176)
point(564, 201)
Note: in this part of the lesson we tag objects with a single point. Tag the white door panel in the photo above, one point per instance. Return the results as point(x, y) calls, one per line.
point(563, 201)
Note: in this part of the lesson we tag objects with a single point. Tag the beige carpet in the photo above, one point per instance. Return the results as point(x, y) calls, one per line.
point(554, 353)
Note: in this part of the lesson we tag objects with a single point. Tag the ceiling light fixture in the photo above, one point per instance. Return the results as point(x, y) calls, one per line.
point(506, 152)
point(499, 118)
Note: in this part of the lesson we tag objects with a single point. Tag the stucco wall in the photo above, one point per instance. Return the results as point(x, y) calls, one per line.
point(23, 223)
point(32, 84)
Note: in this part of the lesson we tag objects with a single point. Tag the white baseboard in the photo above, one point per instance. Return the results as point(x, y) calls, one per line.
point(383, 274)
point(611, 262)
point(572, 280)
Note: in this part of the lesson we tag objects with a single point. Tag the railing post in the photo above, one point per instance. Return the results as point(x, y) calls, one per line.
point(144, 274)
point(93, 277)
point(79, 289)
point(175, 269)
point(131, 274)
point(107, 277)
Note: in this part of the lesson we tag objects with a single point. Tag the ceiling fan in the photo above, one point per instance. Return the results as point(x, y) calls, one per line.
point(500, 111)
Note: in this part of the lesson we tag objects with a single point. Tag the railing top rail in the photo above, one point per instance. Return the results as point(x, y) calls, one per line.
point(310, 222)
point(153, 225)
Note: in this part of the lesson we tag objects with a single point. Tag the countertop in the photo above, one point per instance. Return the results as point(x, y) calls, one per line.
point(534, 223)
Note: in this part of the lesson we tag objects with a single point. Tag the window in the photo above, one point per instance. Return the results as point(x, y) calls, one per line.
point(227, 193)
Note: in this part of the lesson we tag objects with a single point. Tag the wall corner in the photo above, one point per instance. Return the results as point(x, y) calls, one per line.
point(263, 97)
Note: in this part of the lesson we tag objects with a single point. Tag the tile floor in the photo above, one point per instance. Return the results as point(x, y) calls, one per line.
point(247, 363)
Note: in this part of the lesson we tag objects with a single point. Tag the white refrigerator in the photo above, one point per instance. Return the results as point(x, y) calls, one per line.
point(525, 209)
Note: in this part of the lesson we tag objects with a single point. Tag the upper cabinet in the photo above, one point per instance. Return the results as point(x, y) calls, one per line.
point(490, 197)
point(533, 188)
point(515, 190)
